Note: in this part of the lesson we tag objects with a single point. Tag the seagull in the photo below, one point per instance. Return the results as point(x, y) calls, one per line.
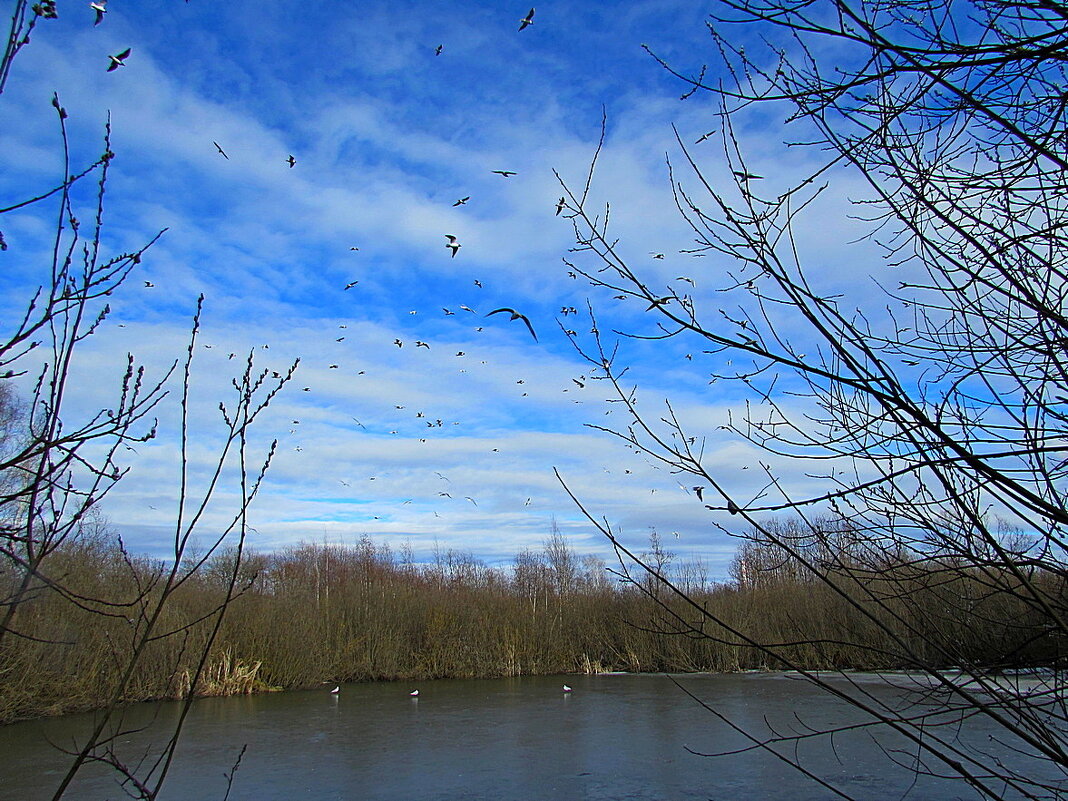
point(149, 284)
point(516, 316)
point(560, 206)
point(462, 201)
point(291, 161)
point(118, 60)
point(414, 693)
point(700, 493)
point(438, 49)
point(567, 689)
point(336, 690)
point(452, 244)
point(527, 20)
point(100, 10)
point(747, 176)
point(503, 173)
point(221, 151)
point(350, 285)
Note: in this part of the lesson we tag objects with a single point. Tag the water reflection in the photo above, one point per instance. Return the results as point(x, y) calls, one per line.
point(611, 737)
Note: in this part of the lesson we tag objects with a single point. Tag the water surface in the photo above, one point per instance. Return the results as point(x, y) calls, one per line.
point(613, 737)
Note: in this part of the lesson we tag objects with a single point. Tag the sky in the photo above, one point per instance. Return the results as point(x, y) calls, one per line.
point(386, 136)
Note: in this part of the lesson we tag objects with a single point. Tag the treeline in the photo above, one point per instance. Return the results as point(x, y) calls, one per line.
point(316, 613)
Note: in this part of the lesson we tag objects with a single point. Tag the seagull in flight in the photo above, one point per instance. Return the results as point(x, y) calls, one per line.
point(291, 161)
point(503, 173)
point(221, 151)
point(452, 244)
point(438, 49)
point(119, 59)
point(527, 20)
point(350, 285)
point(462, 201)
point(560, 206)
point(100, 9)
point(516, 316)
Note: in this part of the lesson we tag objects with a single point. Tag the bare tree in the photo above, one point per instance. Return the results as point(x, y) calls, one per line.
point(56, 468)
point(933, 418)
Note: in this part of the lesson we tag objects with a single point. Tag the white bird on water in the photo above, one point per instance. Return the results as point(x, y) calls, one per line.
point(567, 689)
point(414, 693)
point(336, 690)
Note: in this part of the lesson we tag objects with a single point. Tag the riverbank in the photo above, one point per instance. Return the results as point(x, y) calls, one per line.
point(314, 614)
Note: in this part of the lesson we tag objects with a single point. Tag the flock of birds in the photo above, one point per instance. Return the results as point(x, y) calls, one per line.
point(415, 693)
point(452, 244)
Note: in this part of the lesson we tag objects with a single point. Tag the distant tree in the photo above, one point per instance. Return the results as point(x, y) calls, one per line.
point(930, 415)
point(56, 470)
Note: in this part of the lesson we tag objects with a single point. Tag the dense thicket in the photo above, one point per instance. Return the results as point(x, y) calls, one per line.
point(325, 613)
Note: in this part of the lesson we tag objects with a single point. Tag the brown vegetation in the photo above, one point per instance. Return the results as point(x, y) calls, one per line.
point(326, 613)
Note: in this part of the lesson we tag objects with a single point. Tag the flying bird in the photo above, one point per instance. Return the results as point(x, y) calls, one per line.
point(516, 316)
point(560, 206)
point(221, 151)
point(438, 49)
point(100, 10)
point(452, 244)
point(503, 173)
point(462, 201)
point(349, 286)
point(291, 161)
point(119, 59)
point(527, 20)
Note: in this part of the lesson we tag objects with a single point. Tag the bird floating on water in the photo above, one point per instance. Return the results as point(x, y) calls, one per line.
point(119, 59)
point(567, 689)
point(414, 693)
point(336, 690)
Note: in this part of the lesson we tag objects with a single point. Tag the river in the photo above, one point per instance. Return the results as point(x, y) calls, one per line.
point(612, 737)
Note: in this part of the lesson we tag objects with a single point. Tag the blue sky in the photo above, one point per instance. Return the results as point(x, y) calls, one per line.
point(386, 136)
